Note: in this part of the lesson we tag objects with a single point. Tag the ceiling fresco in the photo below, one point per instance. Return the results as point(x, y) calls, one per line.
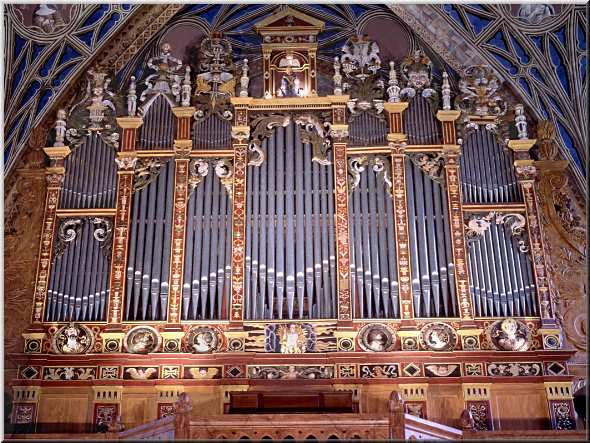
point(539, 49)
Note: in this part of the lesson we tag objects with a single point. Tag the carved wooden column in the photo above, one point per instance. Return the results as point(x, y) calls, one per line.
point(451, 150)
point(561, 405)
point(477, 401)
point(339, 134)
point(25, 407)
point(182, 149)
point(54, 176)
point(240, 135)
point(106, 405)
point(526, 173)
point(125, 160)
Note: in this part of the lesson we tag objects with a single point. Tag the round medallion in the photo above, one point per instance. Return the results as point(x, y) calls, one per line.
point(72, 339)
point(203, 340)
point(376, 337)
point(142, 340)
point(509, 335)
point(438, 337)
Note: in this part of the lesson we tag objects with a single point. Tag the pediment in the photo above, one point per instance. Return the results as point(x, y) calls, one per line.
point(289, 18)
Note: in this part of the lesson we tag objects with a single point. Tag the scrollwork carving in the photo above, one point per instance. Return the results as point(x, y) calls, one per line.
point(416, 70)
point(312, 130)
point(263, 127)
point(67, 232)
point(103, 233)
point(216, 83)
point(224, 169)
point(198, 169)
point(433, 165)
point(146, 171)
point(95, 112)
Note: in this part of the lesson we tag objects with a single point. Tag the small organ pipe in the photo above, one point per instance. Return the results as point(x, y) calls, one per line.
point(213, 253)
point(367, 250)
point(270, 145)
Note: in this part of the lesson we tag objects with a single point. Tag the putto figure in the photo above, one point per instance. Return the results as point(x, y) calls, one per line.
point(510, 335)
point(73, 339)
point(292, 339)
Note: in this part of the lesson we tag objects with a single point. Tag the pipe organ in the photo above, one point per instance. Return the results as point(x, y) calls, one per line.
point(376, 223)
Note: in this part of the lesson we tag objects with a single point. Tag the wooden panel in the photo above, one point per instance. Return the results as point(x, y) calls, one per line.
point(375, 399)
point(519, 406)
point(138, 408)
point(63, 408)
point(445, 404)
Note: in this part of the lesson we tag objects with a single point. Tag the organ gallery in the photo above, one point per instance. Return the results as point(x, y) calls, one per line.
point(264, 222)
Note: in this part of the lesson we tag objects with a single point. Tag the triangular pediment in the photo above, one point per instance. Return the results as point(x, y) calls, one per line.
point(289, 18)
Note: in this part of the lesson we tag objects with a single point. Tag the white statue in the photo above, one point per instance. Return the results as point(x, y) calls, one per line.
point(244, 80)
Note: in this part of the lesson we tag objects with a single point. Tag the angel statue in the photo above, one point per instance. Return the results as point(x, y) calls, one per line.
point(292, 339)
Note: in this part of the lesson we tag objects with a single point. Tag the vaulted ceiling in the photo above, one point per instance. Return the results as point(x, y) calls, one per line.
point(539, 50)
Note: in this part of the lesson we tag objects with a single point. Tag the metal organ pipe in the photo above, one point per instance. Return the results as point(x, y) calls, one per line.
point(433, 285)
point(90, 181)
point(149, 249)
point(289, 218)
point(373, 254)
point(207, 254)
point(486, 169)
point(212, 133)
point(502, 278)
point(366, 129)
point(420, 124)
point(76, 277)
point(157, 131)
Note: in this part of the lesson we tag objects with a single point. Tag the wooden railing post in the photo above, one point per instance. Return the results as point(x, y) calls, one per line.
point(182, 416)
point(397, 425)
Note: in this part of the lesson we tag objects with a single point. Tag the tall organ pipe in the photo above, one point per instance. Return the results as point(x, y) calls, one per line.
point(206, 297)
point(429, 237)
point(373, 254)
point(298, 246)
point(149, 249)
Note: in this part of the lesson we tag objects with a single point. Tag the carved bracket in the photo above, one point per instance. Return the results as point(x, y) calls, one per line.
point(477, 225)
point(146, 171)
point(433, 165)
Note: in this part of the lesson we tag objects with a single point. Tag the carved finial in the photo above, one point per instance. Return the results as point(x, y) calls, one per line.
point(60, 128)
point(132, 99)
point(520, 121)
point(393, 90)
point(337, 77)
point(186, 87)
point(446, 92)
point(244, 80)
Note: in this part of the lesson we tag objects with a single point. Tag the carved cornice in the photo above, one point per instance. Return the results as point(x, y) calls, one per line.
point(129, 122)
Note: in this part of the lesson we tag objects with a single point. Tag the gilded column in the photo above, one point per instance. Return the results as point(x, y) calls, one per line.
point(526, 173)
point(240, 135)
point(339, 134)
point(452, 151)
point(54, 175)
point(182, 150)
point(397, 142)
point(125, 160)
